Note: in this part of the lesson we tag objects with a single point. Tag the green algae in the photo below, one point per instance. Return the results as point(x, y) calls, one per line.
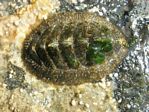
point(105, 44)
point(97, 49)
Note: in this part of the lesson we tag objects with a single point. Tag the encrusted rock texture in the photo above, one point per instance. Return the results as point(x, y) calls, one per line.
point(125, 90)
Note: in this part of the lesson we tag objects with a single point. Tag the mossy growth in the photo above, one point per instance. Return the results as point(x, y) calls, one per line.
point(97, 49)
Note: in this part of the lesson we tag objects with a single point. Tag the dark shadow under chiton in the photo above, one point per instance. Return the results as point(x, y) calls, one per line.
point(73, 48)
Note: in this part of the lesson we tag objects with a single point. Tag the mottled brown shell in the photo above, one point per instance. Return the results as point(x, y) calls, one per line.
point(57, 50)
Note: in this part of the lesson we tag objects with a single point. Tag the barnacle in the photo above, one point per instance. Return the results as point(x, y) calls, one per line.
point(73, 48)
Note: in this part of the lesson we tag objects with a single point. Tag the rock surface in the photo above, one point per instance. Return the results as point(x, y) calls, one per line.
point(126, 90)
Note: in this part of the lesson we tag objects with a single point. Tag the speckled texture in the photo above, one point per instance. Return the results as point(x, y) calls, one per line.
point(47, 54)
point(130, 80)
point(9, 7)
point(28, 94)
point(132, 77)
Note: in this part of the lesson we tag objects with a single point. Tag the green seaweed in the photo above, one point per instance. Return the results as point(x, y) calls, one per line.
point(97, 57)
point(97, 49)
point(105, 44)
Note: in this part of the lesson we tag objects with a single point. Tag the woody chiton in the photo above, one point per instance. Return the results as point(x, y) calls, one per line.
point(73, 48)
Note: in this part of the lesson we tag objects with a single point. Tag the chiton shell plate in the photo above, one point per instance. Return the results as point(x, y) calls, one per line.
point(73, 48)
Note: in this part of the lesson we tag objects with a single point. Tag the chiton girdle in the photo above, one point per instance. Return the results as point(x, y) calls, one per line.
point(73, 48)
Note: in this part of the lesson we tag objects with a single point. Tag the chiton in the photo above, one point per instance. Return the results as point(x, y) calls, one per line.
point(73, 48)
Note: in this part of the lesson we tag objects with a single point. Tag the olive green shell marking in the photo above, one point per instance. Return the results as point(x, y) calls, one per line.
point(73, 48)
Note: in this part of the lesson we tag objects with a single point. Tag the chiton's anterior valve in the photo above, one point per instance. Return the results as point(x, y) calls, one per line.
point(74, 48)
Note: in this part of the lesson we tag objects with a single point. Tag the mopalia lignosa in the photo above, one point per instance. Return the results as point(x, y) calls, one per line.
point(73, 48)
